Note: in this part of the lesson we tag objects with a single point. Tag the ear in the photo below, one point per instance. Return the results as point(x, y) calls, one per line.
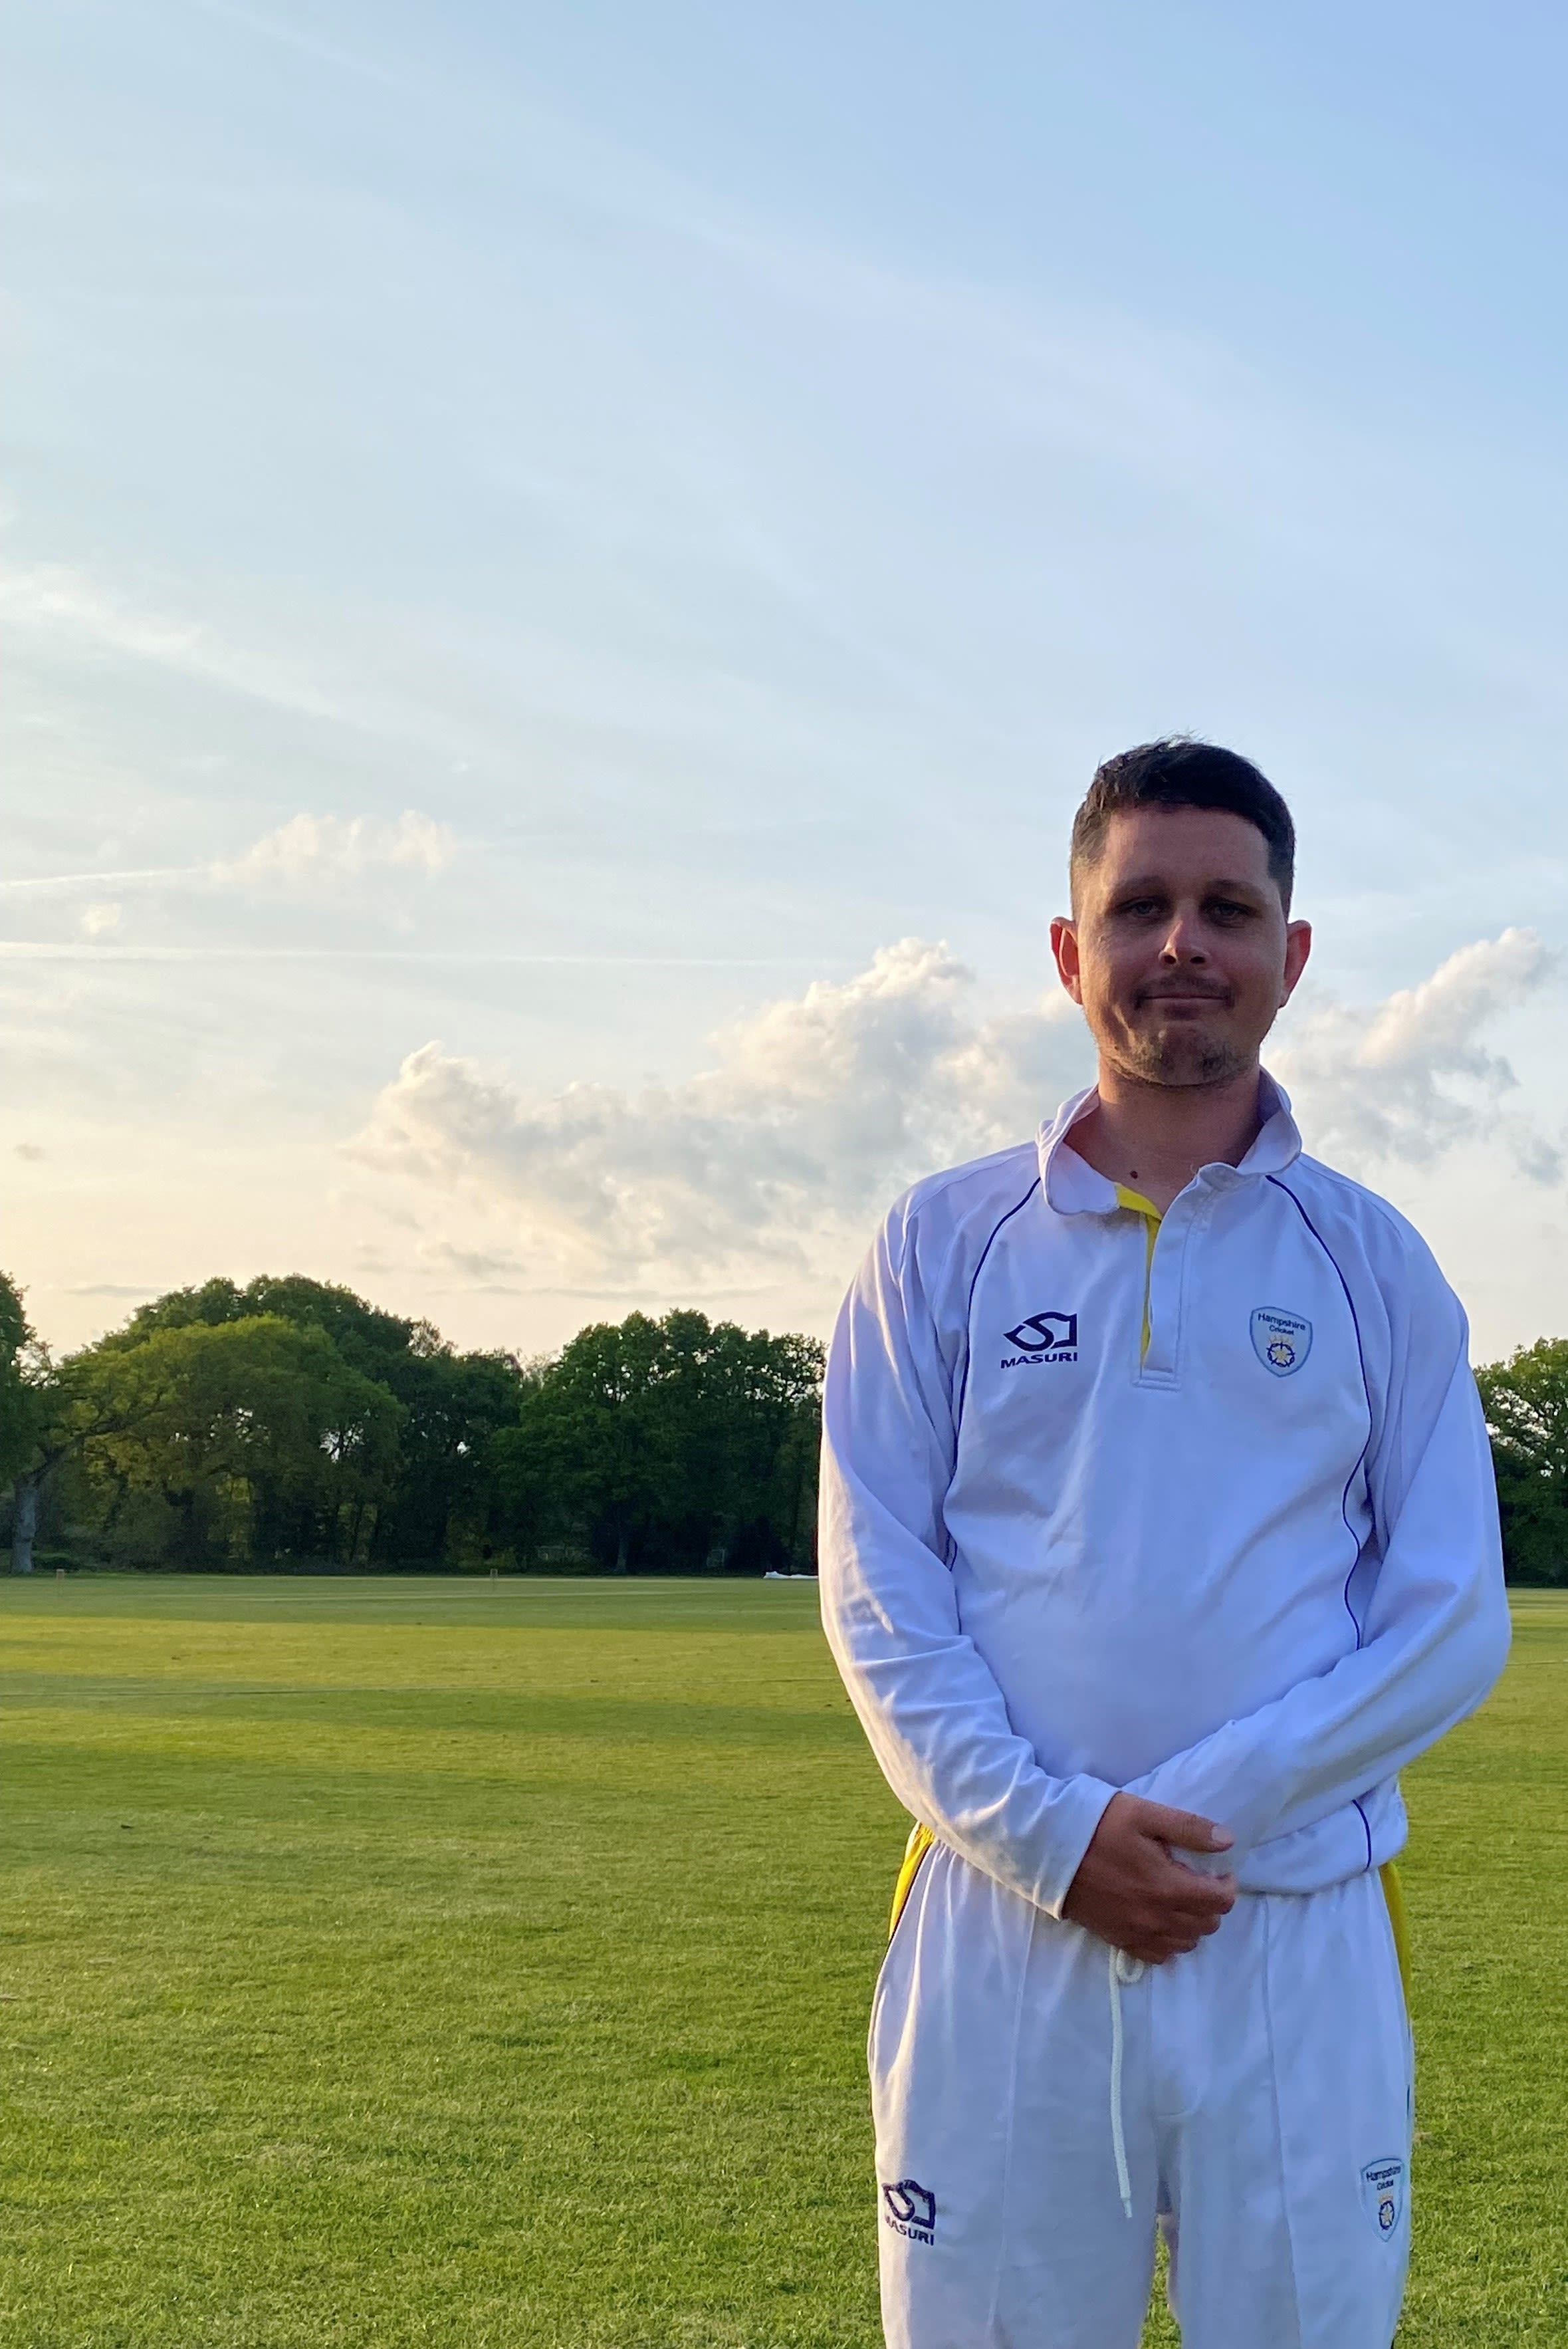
point(1297, 946)
point(1065, 949)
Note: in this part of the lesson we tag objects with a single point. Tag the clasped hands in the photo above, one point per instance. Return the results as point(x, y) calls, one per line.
point(1130, 1892)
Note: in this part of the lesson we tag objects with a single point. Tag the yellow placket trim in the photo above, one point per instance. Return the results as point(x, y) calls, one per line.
point(1139, 1205)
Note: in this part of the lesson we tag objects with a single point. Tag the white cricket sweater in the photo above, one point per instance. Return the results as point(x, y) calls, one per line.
point(1211, 1520)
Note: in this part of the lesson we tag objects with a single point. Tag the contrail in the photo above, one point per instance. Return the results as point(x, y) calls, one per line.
point(29, 950)
point(101, 880)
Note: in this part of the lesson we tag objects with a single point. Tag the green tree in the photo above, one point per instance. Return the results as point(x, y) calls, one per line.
point(1526, 1403)
point(443, 1503)
point(525, 1470)
point(228, 1425)
point(18, 1389)
point(25, 1404)
point(679, 1445)
point(602, 1432)
point(224, 1442)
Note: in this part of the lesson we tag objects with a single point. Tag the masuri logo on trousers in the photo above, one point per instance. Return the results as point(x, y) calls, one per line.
point(910, 2208)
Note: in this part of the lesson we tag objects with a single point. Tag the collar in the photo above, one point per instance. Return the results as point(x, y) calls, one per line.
point(1073, 1188)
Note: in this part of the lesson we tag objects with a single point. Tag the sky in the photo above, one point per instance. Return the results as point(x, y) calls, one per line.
point(564, 569)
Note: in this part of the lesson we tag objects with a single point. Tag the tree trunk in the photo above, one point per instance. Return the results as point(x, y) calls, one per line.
point(622, 1543)
point(25, 1523)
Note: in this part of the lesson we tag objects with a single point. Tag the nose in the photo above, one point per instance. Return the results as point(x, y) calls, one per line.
point(1183, 942)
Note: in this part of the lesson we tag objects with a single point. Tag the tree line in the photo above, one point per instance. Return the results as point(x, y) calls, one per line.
point(290, 1423)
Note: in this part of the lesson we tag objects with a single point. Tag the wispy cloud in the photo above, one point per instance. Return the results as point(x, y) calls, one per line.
point(304, 852)
point(61, 601)
point(44, 885)
point(479, 958)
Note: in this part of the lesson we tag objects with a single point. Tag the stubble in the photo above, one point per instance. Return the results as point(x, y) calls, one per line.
point(1173, 1058)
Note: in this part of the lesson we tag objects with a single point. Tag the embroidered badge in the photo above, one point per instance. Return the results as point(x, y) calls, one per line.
point(1282, 1341)
point(1383, 2192)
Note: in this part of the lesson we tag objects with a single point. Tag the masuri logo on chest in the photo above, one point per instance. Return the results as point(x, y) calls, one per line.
point(1282, 1341)
point(1043, 1338)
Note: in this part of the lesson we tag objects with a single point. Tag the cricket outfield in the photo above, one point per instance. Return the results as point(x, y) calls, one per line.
point(485, 1965)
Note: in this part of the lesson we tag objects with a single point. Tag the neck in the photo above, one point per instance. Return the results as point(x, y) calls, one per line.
point(1154, 1138)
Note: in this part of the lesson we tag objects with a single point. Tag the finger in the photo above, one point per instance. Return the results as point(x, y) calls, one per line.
point(1160, 1952)
point(1176, 1925)
point(1170, 1935)
point(1192, 1920)
point(1180, 1890)
point(1198, 1882)
point(1186, 1829)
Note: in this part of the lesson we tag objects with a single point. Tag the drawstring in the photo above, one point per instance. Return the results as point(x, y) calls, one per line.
point(1123, 1969)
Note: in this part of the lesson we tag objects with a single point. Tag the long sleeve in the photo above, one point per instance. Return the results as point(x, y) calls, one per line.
point(1433, 1624)
point(929, 1702)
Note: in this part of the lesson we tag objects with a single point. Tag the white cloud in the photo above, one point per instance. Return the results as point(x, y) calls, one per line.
point(99, 920)
point(329, 847)
point(820, 1107)
point(1410, 1078)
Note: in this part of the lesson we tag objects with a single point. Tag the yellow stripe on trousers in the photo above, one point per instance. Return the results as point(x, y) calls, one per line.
point(921, 1840)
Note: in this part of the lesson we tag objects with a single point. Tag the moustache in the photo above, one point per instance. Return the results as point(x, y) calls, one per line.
point(1185, 995)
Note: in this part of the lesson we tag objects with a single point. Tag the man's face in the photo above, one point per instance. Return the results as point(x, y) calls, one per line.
point(1178, 949)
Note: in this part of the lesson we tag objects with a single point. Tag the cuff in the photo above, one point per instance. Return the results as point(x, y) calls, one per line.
point(1076, 1811)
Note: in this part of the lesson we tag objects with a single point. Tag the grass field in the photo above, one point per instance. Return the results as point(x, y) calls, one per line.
point(486, 1964)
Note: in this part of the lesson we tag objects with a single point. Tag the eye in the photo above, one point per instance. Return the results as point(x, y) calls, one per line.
point(1227, 909)
point(1141, 909)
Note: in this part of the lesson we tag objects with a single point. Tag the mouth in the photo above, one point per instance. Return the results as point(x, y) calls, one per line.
point(1190, 999)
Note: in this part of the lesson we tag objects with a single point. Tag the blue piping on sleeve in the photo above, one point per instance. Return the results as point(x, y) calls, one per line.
point(1361, 1462)
point(969, 1307)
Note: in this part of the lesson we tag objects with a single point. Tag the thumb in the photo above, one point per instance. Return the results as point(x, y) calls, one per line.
point(1185, 1830)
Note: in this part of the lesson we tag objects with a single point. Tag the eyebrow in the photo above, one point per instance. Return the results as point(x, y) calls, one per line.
point(1140, 884)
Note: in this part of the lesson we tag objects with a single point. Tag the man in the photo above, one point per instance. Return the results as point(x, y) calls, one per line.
point(1159, 1532)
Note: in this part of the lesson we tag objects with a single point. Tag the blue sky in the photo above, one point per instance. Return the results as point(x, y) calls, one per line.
point(538, 540)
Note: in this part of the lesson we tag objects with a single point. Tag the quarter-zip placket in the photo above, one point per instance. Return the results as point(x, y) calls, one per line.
point(1166, 1237)
point(1136, 1204)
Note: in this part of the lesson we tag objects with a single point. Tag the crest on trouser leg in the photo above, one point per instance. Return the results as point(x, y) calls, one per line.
point(1383, 2192)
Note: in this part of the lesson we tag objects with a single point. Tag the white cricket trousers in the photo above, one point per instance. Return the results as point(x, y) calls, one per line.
point(1262, 2106)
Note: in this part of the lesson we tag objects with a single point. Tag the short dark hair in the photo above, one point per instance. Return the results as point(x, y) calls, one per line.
point(1179, 771)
